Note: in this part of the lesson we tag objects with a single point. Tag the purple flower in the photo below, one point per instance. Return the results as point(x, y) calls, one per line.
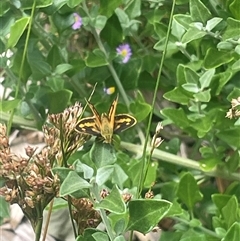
point(77, 21)
point(125, 52)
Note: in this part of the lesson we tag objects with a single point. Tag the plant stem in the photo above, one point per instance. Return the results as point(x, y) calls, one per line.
point(177, 160)
point(22, 64)
point(102, 212)
point(144, 160)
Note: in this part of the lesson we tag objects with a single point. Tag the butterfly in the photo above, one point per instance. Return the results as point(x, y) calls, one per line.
point(106, 124)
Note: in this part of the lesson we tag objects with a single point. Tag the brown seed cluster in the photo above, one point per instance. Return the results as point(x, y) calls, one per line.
point(30, 181)
point(60, 134)
point(84, 214)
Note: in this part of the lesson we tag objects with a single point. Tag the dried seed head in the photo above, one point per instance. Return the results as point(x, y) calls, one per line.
point(149, 195)
point(159, 128)
point(234, 112)
point(104, 193)
point(29, 151)
point(126, 197)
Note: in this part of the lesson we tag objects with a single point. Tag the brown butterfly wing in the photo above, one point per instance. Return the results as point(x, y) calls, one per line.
point(123, 122)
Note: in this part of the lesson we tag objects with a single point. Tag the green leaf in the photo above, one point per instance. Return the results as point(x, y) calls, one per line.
point(191, 235)
point(17, 66)
point(209, 164)
point(177, 95)
point(73, 3)
point(38, 64)
point(119, 238)
point(62, 68)
point(133, 9)
point(56, 83)
point(58, 100)
point(4, 7)
point(83, 168)
point(99, 22)
point(225, 45)
point(100, 236)
point(234, 8)
point(72, 183)
point(190, 75)
point(192, 34)
point(191, 87)
point(91, 234)
point(94, 60)
point(7, 105)
point(232, 30)
point(62, 172)
point(26, 4)
point(212, 23)
point(237, 49)
point(184, 20)
point(102, 154)
point(107, 8)
point(151, 175)
point(224, 77)
point(178, 116)
point(169, 235)
point(62, 22)
point(230, 136)
point(233, 233)
point(206, 78)
point(5, 210)
point(113, 202)
point(140, 110)
point(55, 57)
point(112, 32)
point(17, 30)
point(215, 58)
point(236, 66)
point(203, 96)
point(220, 200)
point(145, 214)
point(199, 12)
point(129, 73)
point(104, 174)
point(230, 211)
point(188, 190)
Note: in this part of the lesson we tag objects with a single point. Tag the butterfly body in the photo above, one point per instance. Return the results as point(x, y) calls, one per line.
point(107, 124)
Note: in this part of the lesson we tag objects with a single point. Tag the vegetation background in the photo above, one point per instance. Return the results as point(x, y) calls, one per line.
point(178, 63)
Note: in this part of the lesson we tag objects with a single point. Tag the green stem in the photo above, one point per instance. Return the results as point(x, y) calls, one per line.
point(180, 161)
point(22, 64)
point(39, 223)
point(102, 212)
point(69, 200)
point(144, 162)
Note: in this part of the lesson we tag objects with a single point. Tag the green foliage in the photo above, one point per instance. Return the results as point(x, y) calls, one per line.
point(48, 65)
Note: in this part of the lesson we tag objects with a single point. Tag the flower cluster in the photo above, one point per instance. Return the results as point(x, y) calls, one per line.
point(234, 112)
